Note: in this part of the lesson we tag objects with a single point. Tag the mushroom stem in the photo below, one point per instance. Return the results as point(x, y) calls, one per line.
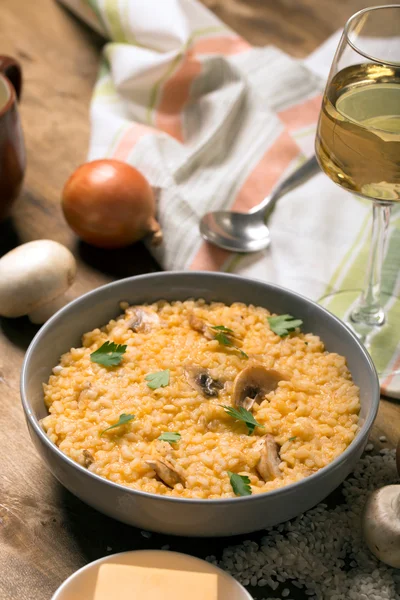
point(381, 524)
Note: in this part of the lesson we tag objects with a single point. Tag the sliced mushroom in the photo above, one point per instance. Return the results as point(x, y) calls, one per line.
point(142, 319)
point(166, 472)
point(268, 464)
point(201, 326)
point(87, 458)
point(253, 383)
point(201, 381)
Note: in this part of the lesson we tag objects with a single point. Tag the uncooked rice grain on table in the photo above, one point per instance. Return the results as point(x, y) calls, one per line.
point(321, 555)
point(312, 414)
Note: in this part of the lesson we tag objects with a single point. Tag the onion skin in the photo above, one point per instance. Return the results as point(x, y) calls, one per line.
point(109, 204)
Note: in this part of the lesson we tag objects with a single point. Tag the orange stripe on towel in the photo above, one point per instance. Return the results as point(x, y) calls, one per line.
point(257, 185)
point(175, 94)
point(224, 44)
point(176, 91)
point(301, 115)
point(266, 173)
point(128, 140)
point(388, 380)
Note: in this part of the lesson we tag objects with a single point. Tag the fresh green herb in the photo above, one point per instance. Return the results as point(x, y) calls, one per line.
point(158, 379)
point(223, 328)
point(170, 437)
point(123, 419)
point(242, 414)
point(109, 354)
point(292, 438)
point(225, 337)
point(283, 324)
point(240, 484)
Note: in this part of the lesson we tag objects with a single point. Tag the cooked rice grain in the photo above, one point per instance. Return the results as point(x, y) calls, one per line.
point(318, 405)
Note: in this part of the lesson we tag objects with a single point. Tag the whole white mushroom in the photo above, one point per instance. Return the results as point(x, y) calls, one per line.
point(33, 279)
point(381, 524)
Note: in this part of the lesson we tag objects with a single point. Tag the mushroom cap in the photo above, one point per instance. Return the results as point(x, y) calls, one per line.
point(268, 465)
point(167, 472)
point(381, 524)
point(255, 381)
point(200, 379)
point(32, 275)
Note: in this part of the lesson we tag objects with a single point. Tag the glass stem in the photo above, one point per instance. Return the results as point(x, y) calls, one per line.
point(369, 310)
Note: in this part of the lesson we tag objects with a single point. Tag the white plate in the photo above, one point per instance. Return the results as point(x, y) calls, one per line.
point(81, 584)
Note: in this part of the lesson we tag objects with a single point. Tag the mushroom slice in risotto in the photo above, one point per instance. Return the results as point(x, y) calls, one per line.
point(200, 380)
point(142, 319)
point(166, 472)
point(253, 383)
point(201, 326)
point(268, 464)
point(87, 458)
point(210, 332)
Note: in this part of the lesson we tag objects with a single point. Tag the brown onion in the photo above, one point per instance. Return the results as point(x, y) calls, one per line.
point(110, 204)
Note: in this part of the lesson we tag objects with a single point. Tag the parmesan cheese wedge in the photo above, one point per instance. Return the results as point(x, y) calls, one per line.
point(122, 582)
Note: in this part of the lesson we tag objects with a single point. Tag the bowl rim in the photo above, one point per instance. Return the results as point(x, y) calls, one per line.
point(104, 559)
point(287, 489)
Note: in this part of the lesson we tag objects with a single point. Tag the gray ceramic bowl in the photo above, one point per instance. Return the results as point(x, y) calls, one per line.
point(174, 515)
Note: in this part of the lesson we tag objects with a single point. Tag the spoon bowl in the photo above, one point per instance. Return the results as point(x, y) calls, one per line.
point(248, 232)
point(234, 231)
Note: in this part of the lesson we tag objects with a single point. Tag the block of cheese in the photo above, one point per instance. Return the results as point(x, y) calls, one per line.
point(129, 582)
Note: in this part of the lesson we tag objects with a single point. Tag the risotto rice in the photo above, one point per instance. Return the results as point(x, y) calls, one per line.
point(310, 416)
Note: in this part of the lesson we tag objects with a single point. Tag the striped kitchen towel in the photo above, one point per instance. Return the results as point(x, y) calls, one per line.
point(215, 123)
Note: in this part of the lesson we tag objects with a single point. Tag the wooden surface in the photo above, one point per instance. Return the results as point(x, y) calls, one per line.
point(46, 533)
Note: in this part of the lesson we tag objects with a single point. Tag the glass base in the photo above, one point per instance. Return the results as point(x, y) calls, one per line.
point(380, 338)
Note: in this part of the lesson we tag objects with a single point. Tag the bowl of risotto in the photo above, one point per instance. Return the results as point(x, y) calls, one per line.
point(198, 404)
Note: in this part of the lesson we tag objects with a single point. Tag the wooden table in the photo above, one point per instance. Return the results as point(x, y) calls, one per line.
point(45, 532)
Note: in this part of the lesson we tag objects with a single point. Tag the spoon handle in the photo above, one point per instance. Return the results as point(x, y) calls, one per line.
point(300, 175)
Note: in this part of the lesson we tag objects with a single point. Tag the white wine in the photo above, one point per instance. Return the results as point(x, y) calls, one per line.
point(358, 136)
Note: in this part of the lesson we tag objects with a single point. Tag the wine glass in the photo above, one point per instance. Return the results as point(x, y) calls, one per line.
point(358, 147)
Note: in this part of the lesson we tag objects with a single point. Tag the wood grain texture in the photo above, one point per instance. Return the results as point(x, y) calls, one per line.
point(45, 532)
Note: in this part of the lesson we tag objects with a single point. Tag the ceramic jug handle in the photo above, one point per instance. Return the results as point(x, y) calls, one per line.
point(12, 70)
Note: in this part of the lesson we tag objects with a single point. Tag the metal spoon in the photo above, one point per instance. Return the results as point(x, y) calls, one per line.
point(247, 232)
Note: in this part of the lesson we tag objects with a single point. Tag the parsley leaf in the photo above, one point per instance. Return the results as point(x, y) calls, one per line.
point(292, 438)
point(222, 328)
point(158, 379)
point(109, 354)
point(283, 324)
point(240, 484)
point(123, 419)
point(170, 436)
point(242, 414)
point(225, 337)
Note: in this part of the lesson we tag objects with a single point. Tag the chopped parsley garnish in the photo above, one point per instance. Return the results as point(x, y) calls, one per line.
point(292, 438)
point(223, 328)
point(158, 379)
point(242, 414)
point(109, 354)
point(282, 325)
point(240, 484)
point(226, 337)
point(170, 436)
point(123, 419)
